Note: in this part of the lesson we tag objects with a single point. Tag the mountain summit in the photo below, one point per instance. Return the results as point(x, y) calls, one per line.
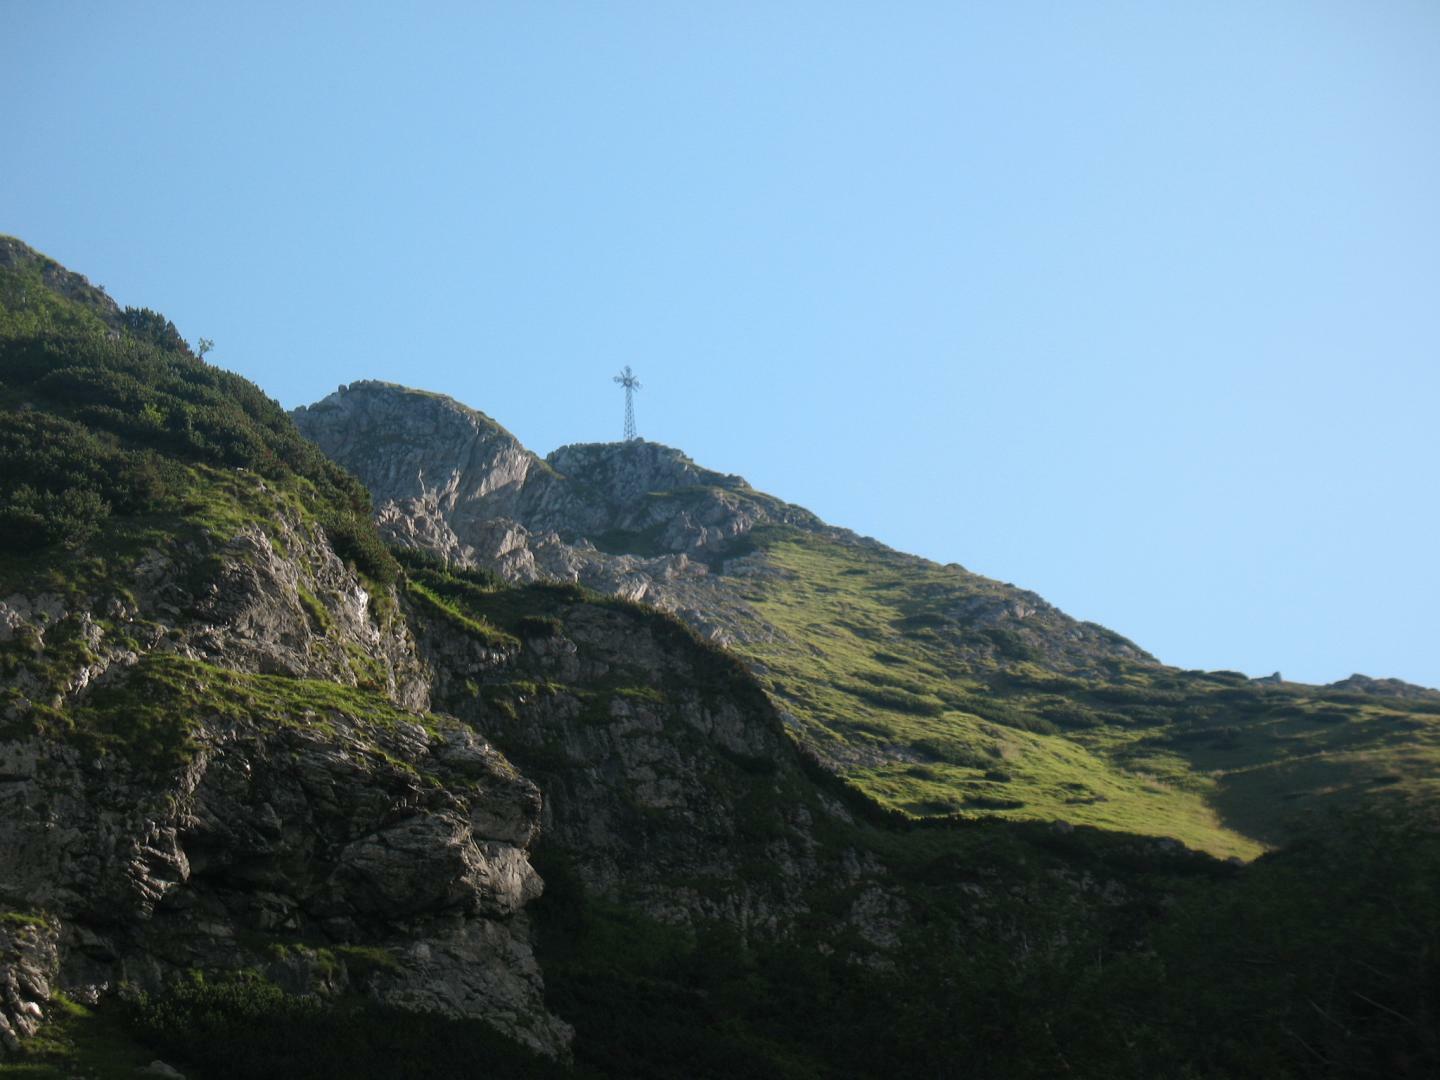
point(935, 690)
point(635, 519)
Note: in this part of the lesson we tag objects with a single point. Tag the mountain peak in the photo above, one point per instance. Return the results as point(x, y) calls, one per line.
point(630, 469)
point(378, 394)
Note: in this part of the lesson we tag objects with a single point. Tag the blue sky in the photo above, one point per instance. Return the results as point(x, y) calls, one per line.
point(1136, 305)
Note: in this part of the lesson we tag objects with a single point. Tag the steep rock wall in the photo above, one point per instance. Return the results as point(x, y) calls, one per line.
point(217, 755)
point(669, 783)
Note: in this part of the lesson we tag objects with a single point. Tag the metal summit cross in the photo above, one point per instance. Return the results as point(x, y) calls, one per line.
point(627, 379)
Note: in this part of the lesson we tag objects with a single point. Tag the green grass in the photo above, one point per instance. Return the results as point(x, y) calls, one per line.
point(933, 716)
point(22, 918)
point(152, 716)
point(448, 608)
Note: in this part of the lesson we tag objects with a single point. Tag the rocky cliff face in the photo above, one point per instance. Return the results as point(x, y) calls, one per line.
point(670, 784)
point(293, 790)
point(29, 961)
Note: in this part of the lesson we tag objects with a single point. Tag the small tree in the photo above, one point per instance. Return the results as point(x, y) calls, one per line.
point(205, 346)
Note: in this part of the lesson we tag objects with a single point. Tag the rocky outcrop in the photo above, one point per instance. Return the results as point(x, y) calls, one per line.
point(391, 832)
point(636, 519)
point(270, 599)
point(1391, 688)
point(219, 757)
point(426, 455)
point(29, 960)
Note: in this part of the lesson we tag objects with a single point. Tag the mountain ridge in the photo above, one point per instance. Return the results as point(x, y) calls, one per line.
point(627, 472)
point(937, 690)
point(282, 800)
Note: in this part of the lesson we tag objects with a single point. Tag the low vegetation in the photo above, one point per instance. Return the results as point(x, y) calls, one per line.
point(103, 418)
point(880, 658)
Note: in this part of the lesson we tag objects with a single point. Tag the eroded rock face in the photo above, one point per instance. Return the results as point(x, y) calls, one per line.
point(340, 830)
point(448, 479)
point(670, 784)
point(261, 811)
point(274, 601)
point(29, 961)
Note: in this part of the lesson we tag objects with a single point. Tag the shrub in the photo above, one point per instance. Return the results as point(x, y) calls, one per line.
point(97, 418)
point(539, 626)
point(893, 697)
point(146, 325)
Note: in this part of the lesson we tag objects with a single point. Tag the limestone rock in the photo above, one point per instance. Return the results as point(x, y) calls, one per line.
point(449, 480)
point(679, 793)
point(29, 960)
point(352, 821)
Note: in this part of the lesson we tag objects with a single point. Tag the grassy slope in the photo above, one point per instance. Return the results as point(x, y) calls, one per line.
point(932, 727)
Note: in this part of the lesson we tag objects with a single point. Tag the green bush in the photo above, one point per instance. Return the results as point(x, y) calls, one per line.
point(146, 325)
point(355, 540)
point(1074, 717)
point(539, 626)
point(91, 421)
point(896, 698)
point(59, 480)
point(1010, 644)
point(999, 711)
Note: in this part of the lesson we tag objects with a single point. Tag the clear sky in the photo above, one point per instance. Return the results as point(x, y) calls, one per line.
point(1134, 304)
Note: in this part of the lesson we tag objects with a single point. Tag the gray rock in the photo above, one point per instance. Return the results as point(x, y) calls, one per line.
point(159, 1068)
point(449, 480)
point(386, 830)
point(29, 961)
point(683, 798)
